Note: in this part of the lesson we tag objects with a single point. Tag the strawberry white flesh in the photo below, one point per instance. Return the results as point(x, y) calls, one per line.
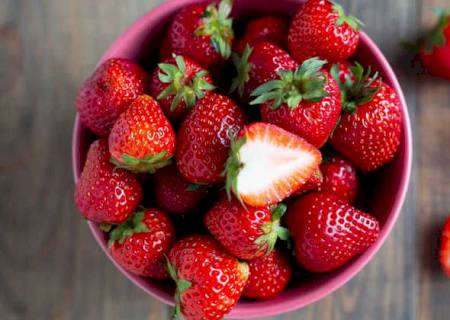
point(273, 164)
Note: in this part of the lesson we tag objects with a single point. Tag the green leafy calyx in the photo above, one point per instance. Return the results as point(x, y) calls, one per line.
point(148, 164)
point(307, 82)
point(132, 225)
point(437, 37)
point(273, 230)
point(232, 168)
point(357, 91)
point(217, 24)
point(243, 68)
point(182, 286)
point(352, 21)
point(179, 87)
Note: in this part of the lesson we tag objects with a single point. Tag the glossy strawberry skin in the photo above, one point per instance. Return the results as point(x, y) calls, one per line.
point(157, 86)
point(108, 92)
point(141, 131)
point(312, 184)
point(237, 228)
point(328, 232)
point(344, 71)
point(314, 32)
point(173, 194)
point(143, 253)
point(444, 253)
point(340, 178)
point(203, 139)
point(266, 28)
point(312, 121)
point(217, 279)
point(269, 276)
point(370, 137)
point(104, 194)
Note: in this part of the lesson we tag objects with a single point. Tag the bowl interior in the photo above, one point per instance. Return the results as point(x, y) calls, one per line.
point(140, 43)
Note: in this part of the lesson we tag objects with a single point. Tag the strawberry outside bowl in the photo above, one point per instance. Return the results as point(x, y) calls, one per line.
point(141, 43)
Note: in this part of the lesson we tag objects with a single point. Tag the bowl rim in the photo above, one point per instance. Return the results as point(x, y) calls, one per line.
point(296, 302)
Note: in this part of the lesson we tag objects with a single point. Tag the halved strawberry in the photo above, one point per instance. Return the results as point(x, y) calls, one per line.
point(444, 253)
point(267, 164)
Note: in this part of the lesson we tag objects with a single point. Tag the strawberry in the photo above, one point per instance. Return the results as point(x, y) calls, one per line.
point(434, 50)
point(177, 83)
point(368, 133)
point(257, 65)
point(339, 178)
point(108, 92)
point(204, 138)
point(175, 194)
point(321, 28)
point(269, 275)
point(341, 70)
point(266, 28)
point(140, 243)
point(142, 139)
point(246, 233)
point(267, 164)
point(202, 32)
point(306, 102)
point(328, 232)
point(311, 184)
point(104, 194)
point(209, 281)
point(444, 253)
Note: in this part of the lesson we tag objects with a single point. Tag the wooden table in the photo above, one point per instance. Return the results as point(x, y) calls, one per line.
point(50, 267)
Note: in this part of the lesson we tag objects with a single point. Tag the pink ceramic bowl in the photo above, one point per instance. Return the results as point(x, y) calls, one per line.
point(142, 40)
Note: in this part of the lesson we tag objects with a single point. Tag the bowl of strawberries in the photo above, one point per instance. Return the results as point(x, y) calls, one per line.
point(241, 159)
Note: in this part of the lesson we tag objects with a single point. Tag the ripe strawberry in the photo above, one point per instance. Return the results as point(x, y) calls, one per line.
point(339, 178)
point(267, 164)
point(313, 183)
point(204, 137)
point(266, 28)
point(178, 83)
point(306, 102)
point(175, 194)
point(434, 50)
point(321, 28)
point(444, 253)
point(108, 92)
point(269, 275)
point(104, 194)
point(328, 232)
point(209, 281)
point(246, 233)
point(203, 32)
point(140, 243)
point(142, 139)
point(258, 65)
point(368, 133)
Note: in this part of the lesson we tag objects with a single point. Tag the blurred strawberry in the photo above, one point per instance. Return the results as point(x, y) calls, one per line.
point(444, 253)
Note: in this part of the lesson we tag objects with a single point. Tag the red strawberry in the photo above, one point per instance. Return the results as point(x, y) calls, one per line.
point(444, 253)
point(104, 194)
point(258, 65)
point(434, 51)
point(246, 233)
point(203, 32)
point(108, 92)
point(178, 83)
point(313, 183)
point(140, 243)
point(339, 178)
point(328, 232)
point(321, 28)
point(209, 281)
point(175, 194)
point(204, 137)
point(269, 275)
point(368, 133)
point(341, 70)
point(266, 28)
point(142, 139)
point(268, 164)
point(306, 101)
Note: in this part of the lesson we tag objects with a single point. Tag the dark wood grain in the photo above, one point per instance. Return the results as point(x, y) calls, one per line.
point(50, 267)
